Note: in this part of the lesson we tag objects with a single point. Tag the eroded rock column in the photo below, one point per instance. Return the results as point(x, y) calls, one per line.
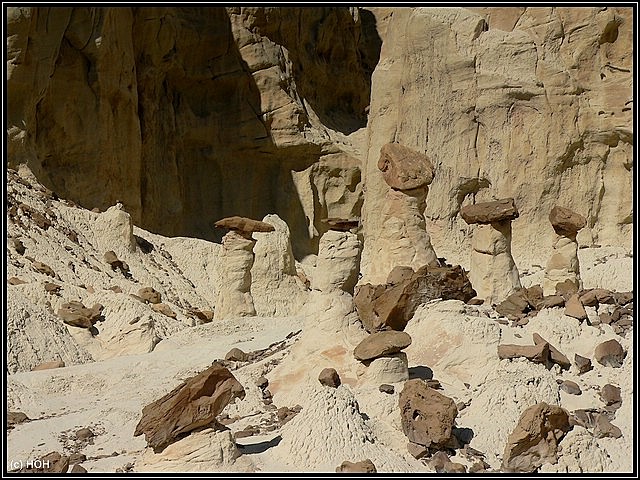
point(338, 262)
point(402, 239)
point(493, 273)
point(563, 265)
point(237, 257)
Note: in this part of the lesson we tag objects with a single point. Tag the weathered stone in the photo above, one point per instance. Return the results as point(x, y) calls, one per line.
point(18, 246)
point(514, 305)
point(416, 450)
point(609, 354)
point(49, 365)
point(583, 364)
point(439, 461)
point(329, 377)
point(163, 309)
point(565, 221)
point(622, 298)
point(76, 314)
point(391, 368)
point(150, 295)
point(78, 469)
point(380, 344)
point(84, 434)
point(112, 259)
point(338, 262)
point(535, 353)
point(16, 281)
point(386, 388)
point(52, 288)
point(552, 301)
point(554, 354)
point(571, 388)
point(393, 305)
point(490, 212)
point(53, 462)
point(575, 309)
point(566, 288)
point(604, 428)
point(610, 394)
point(193, 404)
point(43, 268)
point(604, 296)
point(365, 466)
point(563, 266)
point(16, 418)
point(76, 458)
point(262, 383)
point(427, 416)
point(454, 467)
point(236, 355)
point(589, 298)
point(403, 168)
point(237, 257)
point(535, 439)
point(244, 225)
point(584, 417)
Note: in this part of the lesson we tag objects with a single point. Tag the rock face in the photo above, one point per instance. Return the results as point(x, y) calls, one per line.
point(535, 439)
point(182, 108)
point(338, 262)
point(563, 266)
point(403, 168)
point(193, 404)
point(427, 416)
point(486, 123)
point(380, 344)
point(493, 272)
point(234, 296)
point(392, 305)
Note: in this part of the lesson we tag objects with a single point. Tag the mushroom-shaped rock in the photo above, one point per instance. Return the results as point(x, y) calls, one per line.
point(535, 439)
point(236, 260)
point(404, 168)
point(427, 416)
point(193, 404)
point(566, 222)
point(244, 225)
point(490, 212)
point(381, 344)
point(563, 266)
point(493, 272)
point(338, 262)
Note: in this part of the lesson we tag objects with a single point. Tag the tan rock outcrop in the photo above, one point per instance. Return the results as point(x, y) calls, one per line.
point(193, 404)
point(535, 103)
point(390, 368)
point(493, 272)
point(338, 262)
point(115, 231)
point(236, 260)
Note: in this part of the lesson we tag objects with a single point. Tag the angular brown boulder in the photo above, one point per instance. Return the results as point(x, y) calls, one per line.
point(535, 439)
point(604, 428)
point(514, 305)
point(236, 355)
point(555, 355)
point(244, 225)
point(583, 364)
point(193, 404)
point(535, 353)
point(571, 388)
point(329, 377)
point(611, 395)
point(76, 314)
point(112, 259)
point(380, 344)
point(15, 281)
point(574, 308)
point(16, 418)
point(403, 168)
point(490, 212)
point(365, 466)
point(427, 416)
point(392, 305)
point(150, 294)
point(43, 268)
point(566, 222)
point(163, 309)
point(609, 354)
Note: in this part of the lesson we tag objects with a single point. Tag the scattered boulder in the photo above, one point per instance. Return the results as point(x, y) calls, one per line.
point(150, 295)
point(439, 461)
point(490, 212)
point(76, 458)
point(514, 306)
point(589, 298)
point(76, 314)
point(163, 309)
point(566, 289)
point(392, 305)
point(535, 353)
point(554, 354)
point(584, 417)
point(571, 388)
point(77, 468)
point(329, 377)
point(16, 418)
point(193, 404)
point(48, 365)
point(403, 168)
point(535, 439)
point(380, 344)
point(52, 288)
point(112, 259)
point(236, 355)
point(575, 309)
point(623, 298)
point(18, 246)
point(604, 428)
point(244, 225)
point(427, 416)
point(43, 268)
point(285, 414)
point(583, 364)
point(611, 395)
point(552, 301)
point(610, 354)
point(455, 467)
point(262, 383)
point(84, 434)
point(16, 281)
point(386, 388)
point(365, 466)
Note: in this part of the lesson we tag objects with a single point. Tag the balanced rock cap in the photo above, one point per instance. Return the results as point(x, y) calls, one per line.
point(403, 168)
point(566, 222)
point(243, 224)
point(341, 224)
point(380, 344)
point(489, 212)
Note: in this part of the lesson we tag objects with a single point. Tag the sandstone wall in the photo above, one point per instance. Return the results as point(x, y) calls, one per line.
point(186, 115)
point(529, 103)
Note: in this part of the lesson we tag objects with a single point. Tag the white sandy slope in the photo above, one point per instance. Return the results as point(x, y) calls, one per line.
point(456, 342)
